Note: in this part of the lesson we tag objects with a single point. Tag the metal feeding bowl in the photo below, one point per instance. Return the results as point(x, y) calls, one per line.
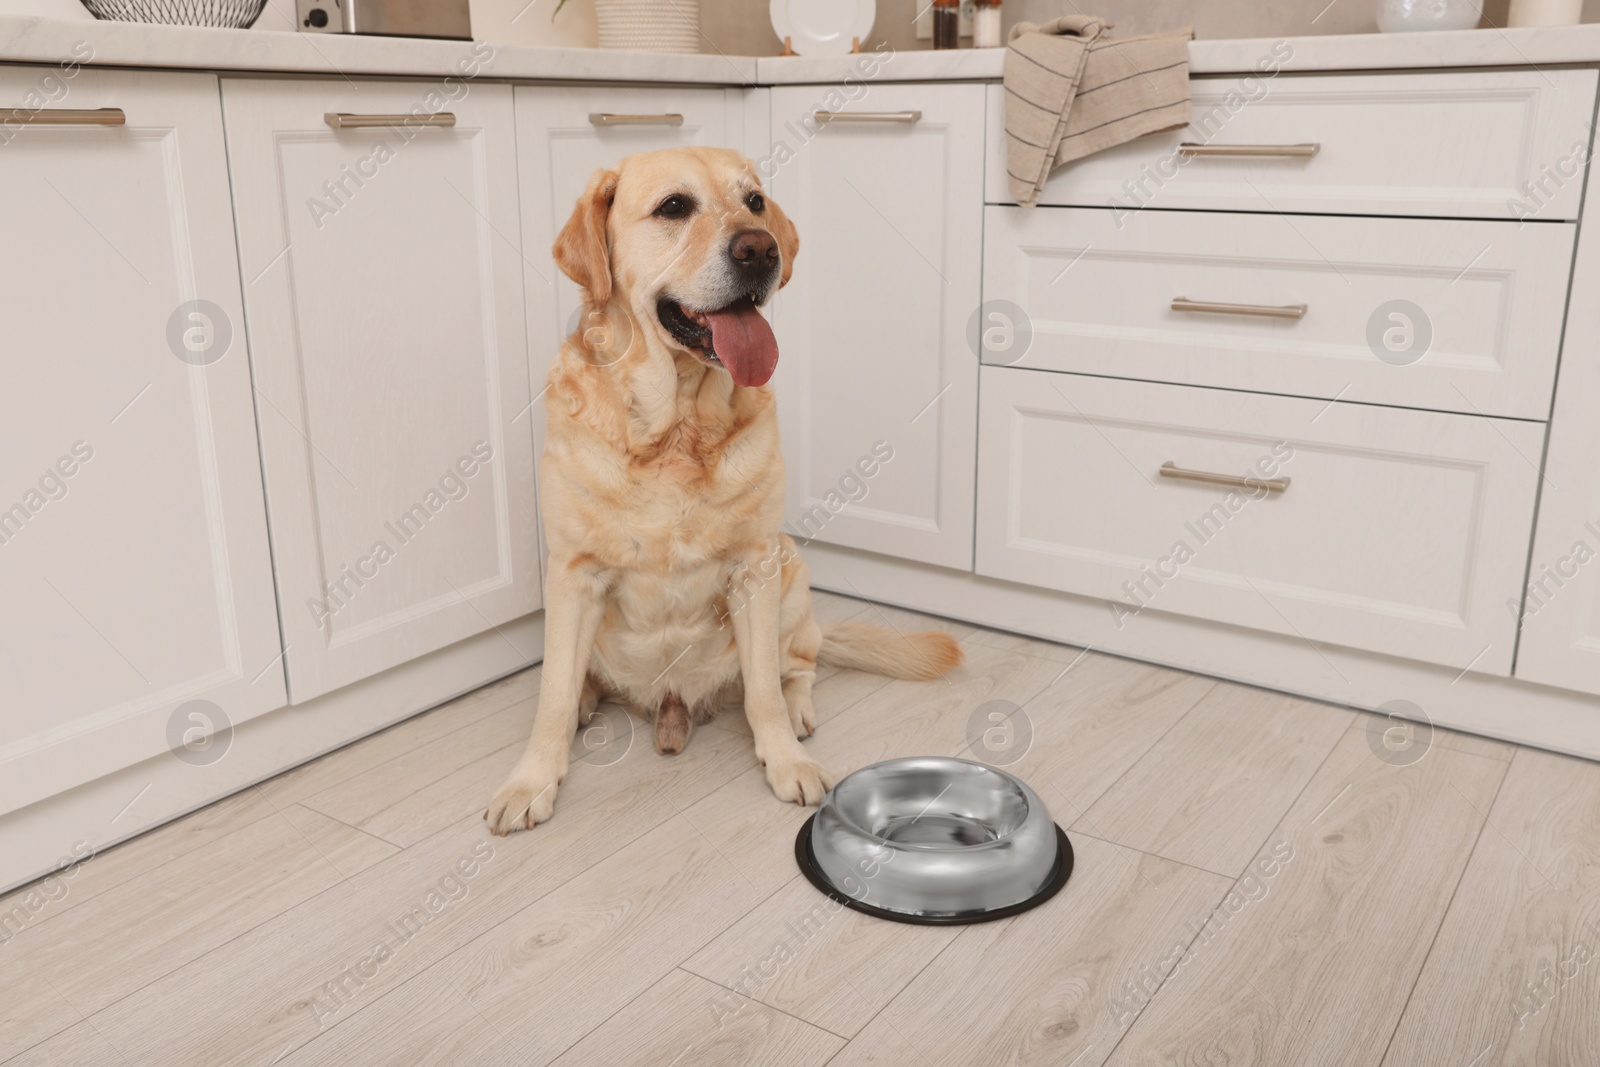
point(934, 840)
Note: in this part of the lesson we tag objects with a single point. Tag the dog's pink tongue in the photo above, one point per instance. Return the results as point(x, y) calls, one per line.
point(744, 343)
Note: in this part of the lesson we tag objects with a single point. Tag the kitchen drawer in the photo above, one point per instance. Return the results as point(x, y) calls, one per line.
point(1448, 144)
point(1400, 532)
point(1447, 314)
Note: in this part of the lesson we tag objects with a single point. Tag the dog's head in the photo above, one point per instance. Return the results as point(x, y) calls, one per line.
point(688, 243)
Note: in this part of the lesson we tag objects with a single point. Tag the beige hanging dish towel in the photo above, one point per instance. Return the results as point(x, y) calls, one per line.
point(1071, 91)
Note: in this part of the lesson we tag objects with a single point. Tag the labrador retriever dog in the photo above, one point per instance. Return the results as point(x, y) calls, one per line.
point(671, 588)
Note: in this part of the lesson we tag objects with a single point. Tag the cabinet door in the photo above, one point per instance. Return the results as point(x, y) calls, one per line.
point(560, 145)
point(383, 280)
point(134, 571)
point(872, 329)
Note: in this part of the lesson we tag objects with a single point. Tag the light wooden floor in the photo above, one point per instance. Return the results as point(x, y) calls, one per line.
point(1254, 885)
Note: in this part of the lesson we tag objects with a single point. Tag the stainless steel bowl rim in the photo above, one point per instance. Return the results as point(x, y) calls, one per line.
point(1027, 793)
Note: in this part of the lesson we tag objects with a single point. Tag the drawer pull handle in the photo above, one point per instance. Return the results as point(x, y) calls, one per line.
point(62, 116)
point(907, 117)
point(603, 119)
point(339, 120)
point(1264, 311)
point(1298, 151)
point(1238, 481)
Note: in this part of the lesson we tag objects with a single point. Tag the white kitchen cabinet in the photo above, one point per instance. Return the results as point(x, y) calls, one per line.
point(872, 331)
point(1560, 605)
point(383, 281)
point(134, 568)
point(1398, 532)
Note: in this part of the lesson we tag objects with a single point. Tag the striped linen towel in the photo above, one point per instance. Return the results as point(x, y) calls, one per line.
point(1071, 91)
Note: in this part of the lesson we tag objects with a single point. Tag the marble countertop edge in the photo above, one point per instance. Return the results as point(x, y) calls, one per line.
point(26, 39)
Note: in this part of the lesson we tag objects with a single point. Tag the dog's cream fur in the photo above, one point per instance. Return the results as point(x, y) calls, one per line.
point(670, 587)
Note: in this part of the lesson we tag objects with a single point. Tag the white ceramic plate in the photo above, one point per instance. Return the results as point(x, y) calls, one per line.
point(823, 27)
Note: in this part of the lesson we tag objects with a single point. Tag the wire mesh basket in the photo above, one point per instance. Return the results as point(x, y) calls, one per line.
point(230, 14)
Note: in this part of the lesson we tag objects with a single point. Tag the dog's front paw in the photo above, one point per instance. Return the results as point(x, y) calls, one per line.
point(525, 801)
point(800, 780)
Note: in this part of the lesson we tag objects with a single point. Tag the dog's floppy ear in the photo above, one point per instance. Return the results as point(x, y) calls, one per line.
point(582, 250)
point(788, 239)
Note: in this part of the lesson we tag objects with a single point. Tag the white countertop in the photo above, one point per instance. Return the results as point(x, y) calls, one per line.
point(1361, 51)
point(40, 40)
point(128, 44)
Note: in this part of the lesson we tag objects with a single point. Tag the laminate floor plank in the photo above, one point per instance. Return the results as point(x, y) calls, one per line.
point(1208, 792)
point(1513, 976)
point(75, 883)
point(829, 607)
point(1316, 968)
point(1045, 988)
point(363, 798)
point(546, 976)
point(688, 1020)
point(79, 1046)
point(1033, 646)
point(282, 984)
point(1085, 730)
point(1399, 735)
point(72, 965)
point(817, 960)
point(414, 733)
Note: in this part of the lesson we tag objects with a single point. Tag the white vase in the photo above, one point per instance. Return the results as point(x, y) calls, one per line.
point(1402, 16)
point(649, 25)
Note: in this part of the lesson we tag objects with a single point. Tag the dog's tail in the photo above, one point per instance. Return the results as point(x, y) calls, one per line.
point(864, 647)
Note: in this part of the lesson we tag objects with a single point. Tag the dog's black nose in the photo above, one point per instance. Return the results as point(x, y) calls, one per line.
point(754, 250)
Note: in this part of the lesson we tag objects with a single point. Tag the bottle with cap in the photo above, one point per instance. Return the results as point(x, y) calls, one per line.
point(946, 23)
point(986, 24)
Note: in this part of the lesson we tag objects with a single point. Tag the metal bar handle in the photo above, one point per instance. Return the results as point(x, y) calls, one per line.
point(907, 117)
point(603, 119)
point(1265, 311)
point(62, 116)
point(1170, 469)
point(1297, 151)
point(340, 120)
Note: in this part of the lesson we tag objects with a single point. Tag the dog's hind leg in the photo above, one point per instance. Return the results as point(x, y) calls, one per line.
point(588, 701)
point(673, 725)
point(797, 695)
point(801, 640)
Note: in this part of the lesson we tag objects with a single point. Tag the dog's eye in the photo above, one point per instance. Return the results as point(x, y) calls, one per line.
point(676, 206)
point(756, 203)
